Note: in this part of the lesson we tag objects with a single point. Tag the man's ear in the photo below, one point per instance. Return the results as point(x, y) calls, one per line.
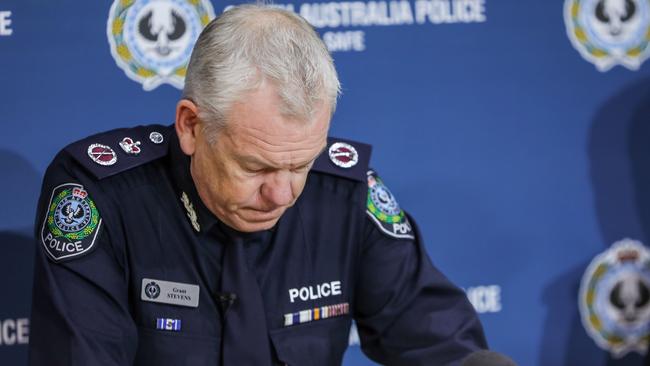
point(187, 125)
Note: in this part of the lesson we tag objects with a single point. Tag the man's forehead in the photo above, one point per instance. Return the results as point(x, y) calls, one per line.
point(277, 133)
point(263, 108)
point(299, 140)
point(290, 155)
point(255, 121)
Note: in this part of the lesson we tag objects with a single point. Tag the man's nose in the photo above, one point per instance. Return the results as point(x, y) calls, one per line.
point(277, 189)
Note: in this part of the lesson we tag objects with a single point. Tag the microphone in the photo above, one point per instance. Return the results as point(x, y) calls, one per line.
point(226, 299)
point(487, 358)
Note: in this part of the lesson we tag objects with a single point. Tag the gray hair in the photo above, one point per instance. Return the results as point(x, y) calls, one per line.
point(250, 44)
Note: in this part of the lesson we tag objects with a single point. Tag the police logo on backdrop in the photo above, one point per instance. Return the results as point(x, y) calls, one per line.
point(71, 224)
point(384, 210)
point(615, 298)
point(152, 40)
point(609, 32)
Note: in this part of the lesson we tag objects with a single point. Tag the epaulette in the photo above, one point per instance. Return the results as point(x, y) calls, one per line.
point(112, 152)
point(344, 158)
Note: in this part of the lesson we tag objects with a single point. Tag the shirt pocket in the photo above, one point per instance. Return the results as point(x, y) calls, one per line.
point(317, 343)
point(160, 347)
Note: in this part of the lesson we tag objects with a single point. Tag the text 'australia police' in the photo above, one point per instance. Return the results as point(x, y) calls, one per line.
point(383, 13)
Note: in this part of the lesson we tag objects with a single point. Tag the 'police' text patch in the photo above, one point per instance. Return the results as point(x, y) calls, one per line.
point(71, 224)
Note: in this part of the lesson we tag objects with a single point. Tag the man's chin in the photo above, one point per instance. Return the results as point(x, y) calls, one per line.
point(254, 222)
point(249, 227)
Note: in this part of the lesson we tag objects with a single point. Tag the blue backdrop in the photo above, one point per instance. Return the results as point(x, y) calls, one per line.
point(513, 131)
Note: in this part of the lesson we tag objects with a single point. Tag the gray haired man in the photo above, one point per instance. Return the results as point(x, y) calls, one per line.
point(242, 234)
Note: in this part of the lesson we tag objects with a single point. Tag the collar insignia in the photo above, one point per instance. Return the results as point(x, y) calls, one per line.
point(191, 213)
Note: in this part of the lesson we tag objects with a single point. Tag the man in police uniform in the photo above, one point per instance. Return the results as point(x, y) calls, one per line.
point(241, 235)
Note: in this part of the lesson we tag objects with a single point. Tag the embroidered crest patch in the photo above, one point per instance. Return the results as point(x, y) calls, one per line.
point(384, 210)
point(72, 222)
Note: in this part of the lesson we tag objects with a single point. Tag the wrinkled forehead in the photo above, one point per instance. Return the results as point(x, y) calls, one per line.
point(276, 133)
point(266, 134)
point(262, 112)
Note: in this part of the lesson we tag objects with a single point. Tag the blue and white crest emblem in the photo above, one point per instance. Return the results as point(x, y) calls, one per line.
point(609, 32)
point(615, 298)
point(71, 224)
point(383, 209)
point(152, 40)
point(383, 199)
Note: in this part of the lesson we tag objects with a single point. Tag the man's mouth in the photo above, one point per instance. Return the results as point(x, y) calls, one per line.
point(256, 215)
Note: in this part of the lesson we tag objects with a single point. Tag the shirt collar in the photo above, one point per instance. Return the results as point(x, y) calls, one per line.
point(199, 216)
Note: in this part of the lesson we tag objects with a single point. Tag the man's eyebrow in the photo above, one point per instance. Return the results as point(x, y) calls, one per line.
point(317, 155)
point(256, 161)
point(249, 159)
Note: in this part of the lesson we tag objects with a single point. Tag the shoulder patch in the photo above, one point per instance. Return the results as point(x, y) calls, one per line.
point(72, 222)
point(344, 158)
point(383, 209)
point(116, 151)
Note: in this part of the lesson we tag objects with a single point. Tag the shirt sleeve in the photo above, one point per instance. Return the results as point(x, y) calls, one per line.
point(408, 312)
point(80, 308)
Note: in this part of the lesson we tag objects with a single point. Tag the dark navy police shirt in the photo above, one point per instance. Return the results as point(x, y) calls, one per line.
point(133, 269)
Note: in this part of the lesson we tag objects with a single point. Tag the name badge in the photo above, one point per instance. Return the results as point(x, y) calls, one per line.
point(174, 293)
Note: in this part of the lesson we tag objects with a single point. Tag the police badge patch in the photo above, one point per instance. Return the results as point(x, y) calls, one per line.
point(152, 40)
point(609, 32)
point(384, 210)
point(72, 222)
point(615, 298)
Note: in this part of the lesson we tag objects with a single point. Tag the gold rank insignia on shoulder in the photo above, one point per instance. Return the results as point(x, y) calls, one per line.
point(191, 213)
point(322, 312)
